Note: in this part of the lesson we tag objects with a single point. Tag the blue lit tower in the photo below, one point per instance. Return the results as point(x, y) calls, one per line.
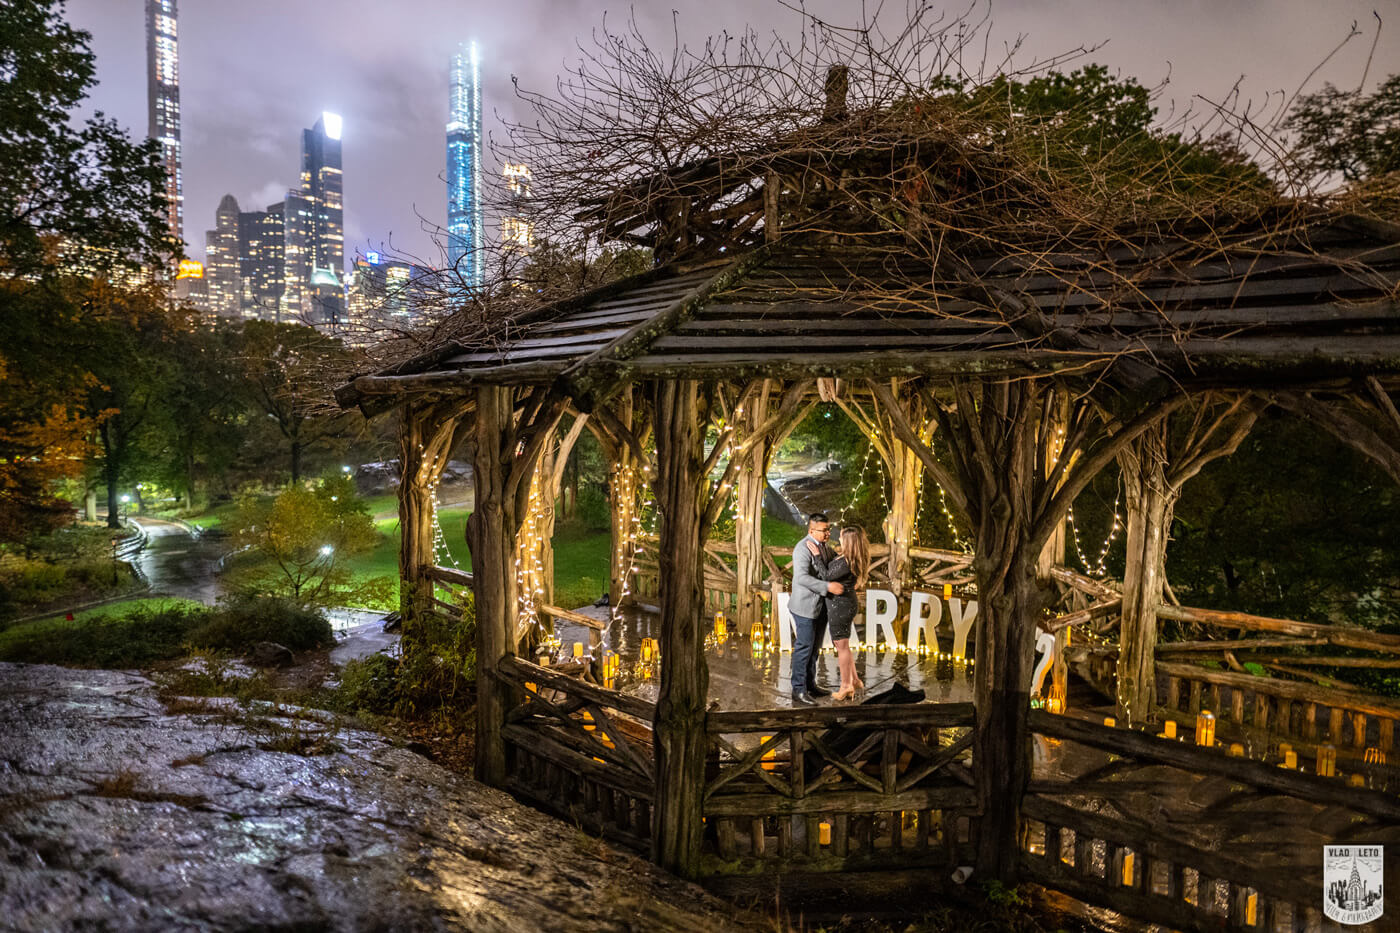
point(464, 166)
point(163, 102)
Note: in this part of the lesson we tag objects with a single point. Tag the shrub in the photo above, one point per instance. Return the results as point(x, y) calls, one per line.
point(134, 639)
point(592, 510)
point(239, 624)
point(438, 668)
point(369, 685)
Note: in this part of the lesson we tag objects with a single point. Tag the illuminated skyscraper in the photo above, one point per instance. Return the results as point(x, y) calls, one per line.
point(221, 268)
point(464, 167)
point(261, 261)
point(163, 102)
point(314, 229)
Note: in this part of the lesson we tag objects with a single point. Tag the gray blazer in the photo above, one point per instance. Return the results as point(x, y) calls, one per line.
point(808, 587)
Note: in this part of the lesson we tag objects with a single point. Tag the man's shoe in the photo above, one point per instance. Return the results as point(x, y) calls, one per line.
point(818, 692)
point(802, 699)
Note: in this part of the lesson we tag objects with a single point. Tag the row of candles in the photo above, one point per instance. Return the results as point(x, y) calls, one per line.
point(1326, 765)
point(760, 642)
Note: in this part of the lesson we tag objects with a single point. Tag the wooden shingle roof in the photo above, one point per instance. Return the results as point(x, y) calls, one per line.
point(1318, 302)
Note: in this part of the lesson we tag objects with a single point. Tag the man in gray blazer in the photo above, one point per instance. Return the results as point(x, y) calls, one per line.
point(808, 607)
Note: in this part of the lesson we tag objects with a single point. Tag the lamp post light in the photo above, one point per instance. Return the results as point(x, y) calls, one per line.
point(126, 500)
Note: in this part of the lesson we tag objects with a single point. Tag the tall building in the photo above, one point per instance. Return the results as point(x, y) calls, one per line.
point(261, 261)
point(313, 224)
point(384, 293)
point(222, 248)
point(464, 155)
point(163, 102)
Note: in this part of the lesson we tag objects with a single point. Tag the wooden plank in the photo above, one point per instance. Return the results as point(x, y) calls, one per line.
point(1211, 762)
point(575, 617)
point(1348, 698)
point(845, 801)
point(1341, 636)
point(518, 671)
point(449, 575)
point(908, 715)
point(576, 762)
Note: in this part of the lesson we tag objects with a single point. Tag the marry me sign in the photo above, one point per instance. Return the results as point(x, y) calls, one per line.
point(944, 632)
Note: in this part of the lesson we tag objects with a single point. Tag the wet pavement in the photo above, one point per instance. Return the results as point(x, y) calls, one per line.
point(121, 812)
point(180, 564)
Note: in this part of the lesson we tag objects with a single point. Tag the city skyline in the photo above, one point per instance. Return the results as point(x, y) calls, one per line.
point(163, 100)
point(464, 156)
point(241, 111)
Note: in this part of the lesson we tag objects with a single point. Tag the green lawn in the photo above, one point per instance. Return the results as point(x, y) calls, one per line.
point(117, 608)
point(580, 555)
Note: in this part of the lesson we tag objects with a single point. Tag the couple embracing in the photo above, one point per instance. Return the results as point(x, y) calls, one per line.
point(824, 589)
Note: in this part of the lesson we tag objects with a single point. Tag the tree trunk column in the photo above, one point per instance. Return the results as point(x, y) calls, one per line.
point(680, 710)
point(491, 536)
point(748, 531)
point(415, 519)
point(906, 479)
point(1150, 501)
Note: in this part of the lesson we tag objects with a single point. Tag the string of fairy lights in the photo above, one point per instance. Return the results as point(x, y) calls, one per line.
point(1098, 568)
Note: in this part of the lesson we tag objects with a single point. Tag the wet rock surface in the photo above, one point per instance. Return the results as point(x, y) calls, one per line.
point(121, 812)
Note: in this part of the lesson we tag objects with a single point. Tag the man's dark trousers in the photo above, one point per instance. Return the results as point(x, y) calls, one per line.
point(806, 644)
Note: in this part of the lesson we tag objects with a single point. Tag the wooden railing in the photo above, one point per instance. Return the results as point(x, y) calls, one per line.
point(1166, 832)
point(448, 584)
point(839, 788)
point(581, 751)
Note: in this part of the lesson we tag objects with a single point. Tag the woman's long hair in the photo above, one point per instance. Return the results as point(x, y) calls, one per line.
point(856, 549)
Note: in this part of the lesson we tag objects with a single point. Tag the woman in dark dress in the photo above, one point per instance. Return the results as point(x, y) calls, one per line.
point(850, 570)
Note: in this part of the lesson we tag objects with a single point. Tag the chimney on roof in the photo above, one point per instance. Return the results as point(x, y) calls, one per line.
point(838, 82)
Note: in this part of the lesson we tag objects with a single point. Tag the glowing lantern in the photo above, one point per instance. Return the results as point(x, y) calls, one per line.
point(1169, 729)
point(721, 627)
point(1205, 728)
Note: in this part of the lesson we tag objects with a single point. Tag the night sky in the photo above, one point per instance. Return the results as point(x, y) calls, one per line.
point(253, 73)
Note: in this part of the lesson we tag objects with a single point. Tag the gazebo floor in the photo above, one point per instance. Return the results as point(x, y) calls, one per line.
point(741, 679)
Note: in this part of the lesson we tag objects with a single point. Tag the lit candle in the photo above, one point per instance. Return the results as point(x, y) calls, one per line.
point(1169, 729)
point(588, 721)
point(1110, 721)
point(1356, 780)
point(530, 686)
point(1326, 760)
point(947, 591)
point(721, 626)
point(1290, 760)
point(1128, 869)
point(1236, 750)
point(1374, 756)
point(770, 759)
point(1205, 728)
point(578, 649)
point(756, 635)
point(824, 833)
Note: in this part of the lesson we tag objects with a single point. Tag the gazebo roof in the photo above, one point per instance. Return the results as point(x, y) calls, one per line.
point(1316, 302)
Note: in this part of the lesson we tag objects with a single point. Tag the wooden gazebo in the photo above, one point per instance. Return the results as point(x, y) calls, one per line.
point(1039, 365)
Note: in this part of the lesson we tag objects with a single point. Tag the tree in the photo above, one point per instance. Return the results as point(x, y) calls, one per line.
point(299, 544)
point(286, 373)
point(75, 198)
point(1347, 133)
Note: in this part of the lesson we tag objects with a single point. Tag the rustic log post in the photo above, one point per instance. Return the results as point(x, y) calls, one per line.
point(426, 437)
point(1149, 502)
point(1155, 467)
point(491, 535)
point(750, 486)
point(681, 496)
point(535, 545)
point(900, 525)
point(415, 518)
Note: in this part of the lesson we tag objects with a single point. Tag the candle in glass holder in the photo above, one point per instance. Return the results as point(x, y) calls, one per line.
point(1205, 728)
point(1169, 729)
point(824, 833)
point(1326, 760)
point(1290, 760)
point(721, 627)
point(757, 636)
point(578, 649)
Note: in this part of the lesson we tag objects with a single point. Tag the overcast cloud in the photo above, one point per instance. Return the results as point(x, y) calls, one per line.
point(253, 73)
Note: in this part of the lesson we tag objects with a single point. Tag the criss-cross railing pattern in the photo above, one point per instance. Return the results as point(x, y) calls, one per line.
point(581, 750)
point(842, 787)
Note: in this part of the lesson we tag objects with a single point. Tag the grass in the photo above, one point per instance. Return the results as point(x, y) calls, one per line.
point(119, 607)
point(123, 635)
point(580, 554)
